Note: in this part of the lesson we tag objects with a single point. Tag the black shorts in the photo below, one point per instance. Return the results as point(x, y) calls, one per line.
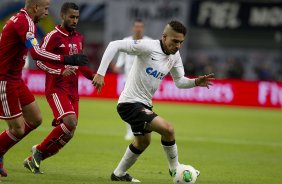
point(137, 115)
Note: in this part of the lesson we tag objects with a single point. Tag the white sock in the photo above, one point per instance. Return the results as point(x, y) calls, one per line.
point(128, 159)
point(172, 156)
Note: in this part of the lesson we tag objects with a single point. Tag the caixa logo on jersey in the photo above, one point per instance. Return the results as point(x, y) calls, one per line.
point(155, 73)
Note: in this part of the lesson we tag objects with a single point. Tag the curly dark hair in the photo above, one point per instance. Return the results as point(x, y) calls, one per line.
point(177, 26)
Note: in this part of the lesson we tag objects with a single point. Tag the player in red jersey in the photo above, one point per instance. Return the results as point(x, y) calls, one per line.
point(61, 86)
point(17, 105)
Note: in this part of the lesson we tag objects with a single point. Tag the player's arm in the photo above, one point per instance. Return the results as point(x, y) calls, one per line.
point(184, 82)
point(25, 29)
point(50, 44)
point(180, 80)
point(120, 62)
point(38, 53)
point(86, 72)
point(177, 73)
point(133, 47)
point(47, 67)
point(129, 46)
point(55, 70)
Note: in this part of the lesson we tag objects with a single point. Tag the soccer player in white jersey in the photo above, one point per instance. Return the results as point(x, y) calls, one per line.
point(155, 59)
point(125, 61)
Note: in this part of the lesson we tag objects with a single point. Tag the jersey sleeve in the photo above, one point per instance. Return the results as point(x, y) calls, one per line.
point(50, 44)
point(49, 68)
point(26, 31)
point(177, 69)
point(22, 27)
point(121, 60)
point(132, 47)
point(86, 72)
point(177, 73)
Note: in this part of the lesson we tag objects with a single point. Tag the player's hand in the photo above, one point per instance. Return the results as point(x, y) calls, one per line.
point(76, 60)
point(204, 81)
point(98, 82)
point(68, 71)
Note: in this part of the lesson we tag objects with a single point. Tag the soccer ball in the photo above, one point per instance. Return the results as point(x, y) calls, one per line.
point(185, 174)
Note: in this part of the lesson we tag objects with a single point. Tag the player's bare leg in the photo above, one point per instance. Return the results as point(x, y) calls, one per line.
point(133, 151)
point(9, 138)
point(32, 114)
point(18, 128)
point(51, 145)
point(165, 129)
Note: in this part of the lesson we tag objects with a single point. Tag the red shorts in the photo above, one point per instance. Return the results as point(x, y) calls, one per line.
point(62, 105)
point(13, 96)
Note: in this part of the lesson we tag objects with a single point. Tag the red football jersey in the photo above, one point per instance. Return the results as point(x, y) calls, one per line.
point(17, 32)
point(60, 41)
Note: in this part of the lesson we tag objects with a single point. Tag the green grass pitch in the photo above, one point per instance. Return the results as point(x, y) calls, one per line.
point(229, 145)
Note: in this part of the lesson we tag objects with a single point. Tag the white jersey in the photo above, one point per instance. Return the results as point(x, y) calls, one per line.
point(149, 69)
point(126, 60)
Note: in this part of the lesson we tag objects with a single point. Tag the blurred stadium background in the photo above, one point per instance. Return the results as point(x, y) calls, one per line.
point(234, 39)
point(239, 40)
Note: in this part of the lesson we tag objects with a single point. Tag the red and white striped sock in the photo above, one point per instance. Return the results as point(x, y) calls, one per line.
point(57, 139)
point(7, 140)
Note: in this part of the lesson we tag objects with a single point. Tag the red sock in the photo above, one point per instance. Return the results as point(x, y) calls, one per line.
point(7, 140)
point(57, 139)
